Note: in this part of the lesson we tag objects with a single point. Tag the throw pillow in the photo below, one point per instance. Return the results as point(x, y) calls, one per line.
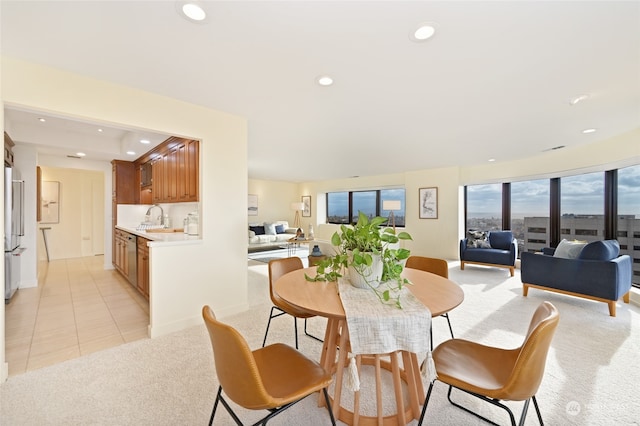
point(601, 250)
point(279, 229)
point(259, 230)
point(269, 228)
point(569, 249)
point(477, 239)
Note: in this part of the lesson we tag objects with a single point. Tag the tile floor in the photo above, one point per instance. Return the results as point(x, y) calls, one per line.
point(78, 308)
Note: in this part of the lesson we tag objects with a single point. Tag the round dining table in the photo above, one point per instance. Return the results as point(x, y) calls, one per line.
point(440, 295)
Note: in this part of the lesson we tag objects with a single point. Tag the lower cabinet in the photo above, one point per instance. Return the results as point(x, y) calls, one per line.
point(143, 266)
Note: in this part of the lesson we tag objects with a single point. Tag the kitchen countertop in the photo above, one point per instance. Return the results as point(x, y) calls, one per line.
point(160, 237)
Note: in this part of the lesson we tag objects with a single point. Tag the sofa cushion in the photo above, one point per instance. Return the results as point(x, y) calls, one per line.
point(259, 230)
point(600, 250)
point(569, 249)
point(501, 239)
point(269, 228)
point(279, 229)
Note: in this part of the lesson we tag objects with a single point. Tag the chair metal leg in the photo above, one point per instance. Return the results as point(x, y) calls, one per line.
point(449, 322)
point(272, 412)
point(295, 329)
point(426, 402)
point(271, 315)
point(535, 404)
point(328, 402)
point(310, 335)
point(498, 404)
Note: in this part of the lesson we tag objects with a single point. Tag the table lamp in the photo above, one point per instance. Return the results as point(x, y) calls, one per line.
point(391, 205)
point(298, 207)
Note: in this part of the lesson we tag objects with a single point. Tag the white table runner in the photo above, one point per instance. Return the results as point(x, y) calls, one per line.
point(380, 328)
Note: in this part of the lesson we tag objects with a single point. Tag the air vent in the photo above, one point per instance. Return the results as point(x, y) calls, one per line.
point(554, 148)
point(73, 156)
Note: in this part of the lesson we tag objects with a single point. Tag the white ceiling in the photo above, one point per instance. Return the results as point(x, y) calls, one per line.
point(494, 82)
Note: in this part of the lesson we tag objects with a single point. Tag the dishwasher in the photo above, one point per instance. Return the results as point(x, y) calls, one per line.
point(132, 259)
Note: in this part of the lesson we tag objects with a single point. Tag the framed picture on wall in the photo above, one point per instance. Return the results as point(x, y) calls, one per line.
point(50, 202)
point(428, 203)
point(306, 200)
point(252, 202)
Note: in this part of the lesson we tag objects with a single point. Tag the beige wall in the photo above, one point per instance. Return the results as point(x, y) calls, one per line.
point(183, 277)
point(81, 202)
point(274, 200)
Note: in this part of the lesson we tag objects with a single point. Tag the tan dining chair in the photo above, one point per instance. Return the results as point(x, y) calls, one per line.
point(277, 268)
point(494, 374)
point(435, 266)
point(272, 378)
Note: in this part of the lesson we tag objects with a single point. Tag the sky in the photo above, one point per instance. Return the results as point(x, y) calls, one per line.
point(580, 194)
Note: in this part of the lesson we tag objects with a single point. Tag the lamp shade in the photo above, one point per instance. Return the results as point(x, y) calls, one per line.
point(391, 205)
point(297, 206)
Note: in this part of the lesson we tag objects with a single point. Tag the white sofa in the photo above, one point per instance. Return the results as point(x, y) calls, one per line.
point(271, 238)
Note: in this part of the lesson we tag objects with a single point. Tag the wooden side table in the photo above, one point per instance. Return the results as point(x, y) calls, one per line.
point(314, 260)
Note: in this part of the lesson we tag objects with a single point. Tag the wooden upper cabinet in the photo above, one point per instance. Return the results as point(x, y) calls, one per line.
point(193, 170)
point(124, 182)
point(174, 172)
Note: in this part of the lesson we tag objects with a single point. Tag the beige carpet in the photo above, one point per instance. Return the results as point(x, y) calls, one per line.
point(592, 377)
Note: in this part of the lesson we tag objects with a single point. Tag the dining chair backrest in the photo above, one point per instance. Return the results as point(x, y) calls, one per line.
point(235, 365)
point(429, 264)
point(528, 370)
point(279, 267)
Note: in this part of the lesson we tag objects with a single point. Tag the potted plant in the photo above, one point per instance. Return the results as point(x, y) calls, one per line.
point(364, 251)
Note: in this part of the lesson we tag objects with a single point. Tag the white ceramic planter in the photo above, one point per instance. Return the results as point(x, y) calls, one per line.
point(368, 276)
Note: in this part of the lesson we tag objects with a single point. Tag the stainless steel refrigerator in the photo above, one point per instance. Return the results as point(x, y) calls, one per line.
point(13, 230)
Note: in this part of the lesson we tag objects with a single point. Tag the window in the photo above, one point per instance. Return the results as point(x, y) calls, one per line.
point(591, 206)
point(343, 207)
point(629, 216)
point(530, 214)
point(484, 207)
point(582, 206)
point(393, 195)
point(338, 207)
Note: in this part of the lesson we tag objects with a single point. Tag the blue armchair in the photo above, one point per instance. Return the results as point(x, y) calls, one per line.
point(597, 273)
point(500, 249)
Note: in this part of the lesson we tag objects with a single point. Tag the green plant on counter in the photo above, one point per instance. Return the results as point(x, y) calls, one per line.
point(358, 248)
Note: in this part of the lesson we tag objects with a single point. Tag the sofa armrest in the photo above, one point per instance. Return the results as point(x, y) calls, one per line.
point(549, 251)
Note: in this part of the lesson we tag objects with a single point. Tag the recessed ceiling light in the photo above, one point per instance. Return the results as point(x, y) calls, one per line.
point(578, 99)
point(100, 130)
point(325, 80)
point(585, 131)
point(425, 31)
point(42, 120)
point(131, 153)
point(192, 10)
point(491, 160)
point(144, 141)
point(80, 154)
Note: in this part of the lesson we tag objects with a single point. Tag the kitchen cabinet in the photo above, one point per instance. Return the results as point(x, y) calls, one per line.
point(120, 258)
point(123, 180)
point(174, 172)
point(143, 267)
point(125, 255)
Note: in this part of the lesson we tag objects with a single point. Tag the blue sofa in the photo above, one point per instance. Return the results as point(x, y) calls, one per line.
point(597, 273)
point(500, 249)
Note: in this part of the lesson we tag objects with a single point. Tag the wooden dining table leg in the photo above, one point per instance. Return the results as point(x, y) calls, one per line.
point(328, 355)
point(343, 358)
point(414, 382)
point(397, 386)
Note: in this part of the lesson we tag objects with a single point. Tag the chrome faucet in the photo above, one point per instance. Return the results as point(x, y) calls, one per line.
point(161, 212)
